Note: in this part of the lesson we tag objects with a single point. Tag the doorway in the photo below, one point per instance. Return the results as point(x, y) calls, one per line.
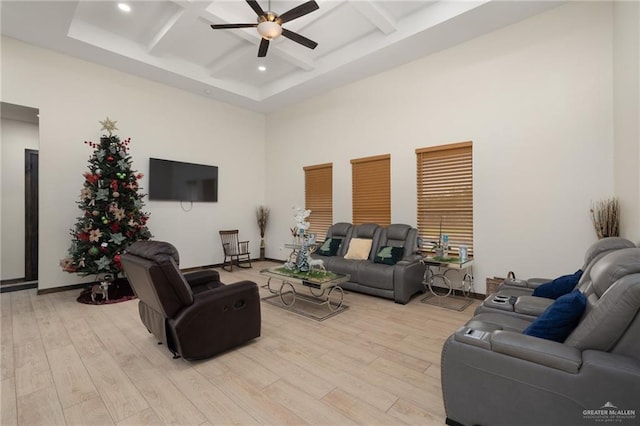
point(19, 215)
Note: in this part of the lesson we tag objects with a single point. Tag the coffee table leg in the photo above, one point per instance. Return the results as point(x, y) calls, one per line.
point(338, 294)
point(272, 291)
point(313, 292)
point(288, 294)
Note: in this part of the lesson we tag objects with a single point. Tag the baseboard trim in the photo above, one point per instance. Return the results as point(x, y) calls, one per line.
point(63, 288)
point(7, 288)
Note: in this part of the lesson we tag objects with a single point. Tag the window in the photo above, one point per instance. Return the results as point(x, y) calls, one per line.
point(371, 190)
point(445, 194)
point(318, 197)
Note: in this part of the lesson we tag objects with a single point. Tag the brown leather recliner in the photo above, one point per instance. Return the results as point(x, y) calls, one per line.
point(194, 315)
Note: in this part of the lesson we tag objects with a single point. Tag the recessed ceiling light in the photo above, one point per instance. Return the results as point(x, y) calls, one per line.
point(262, 68)
point(124, 7)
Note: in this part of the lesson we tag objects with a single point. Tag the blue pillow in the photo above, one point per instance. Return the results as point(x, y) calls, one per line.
point(558, 287)
point(560, 318)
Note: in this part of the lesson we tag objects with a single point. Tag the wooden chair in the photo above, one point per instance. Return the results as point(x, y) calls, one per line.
point(234, 250)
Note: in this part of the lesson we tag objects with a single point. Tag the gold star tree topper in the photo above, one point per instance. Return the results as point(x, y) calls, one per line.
point(108, 125)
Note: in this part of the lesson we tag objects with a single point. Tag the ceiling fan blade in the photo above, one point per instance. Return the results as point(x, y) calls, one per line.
point(227, 26)
point(264, 45)
point(256, 7)
point(299, 11)
point(299, 38)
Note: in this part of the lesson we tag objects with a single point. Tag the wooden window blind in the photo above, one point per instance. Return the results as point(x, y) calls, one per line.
point(371, 190)
point(445, 194)
point(318, 197)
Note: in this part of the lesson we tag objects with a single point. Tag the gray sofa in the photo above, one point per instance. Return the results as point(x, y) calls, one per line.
point(512, 378)
point(524, 305)
point(399, 281)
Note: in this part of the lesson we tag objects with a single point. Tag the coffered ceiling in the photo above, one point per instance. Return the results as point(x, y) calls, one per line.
point(171, 41)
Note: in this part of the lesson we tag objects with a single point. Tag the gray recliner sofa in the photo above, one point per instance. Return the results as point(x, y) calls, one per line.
point(523, 304)
point(398, 282)
point(517, 287)
point(492, 374)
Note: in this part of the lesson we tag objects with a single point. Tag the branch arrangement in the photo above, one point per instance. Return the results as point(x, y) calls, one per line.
point(605, 216)
point(262, 215)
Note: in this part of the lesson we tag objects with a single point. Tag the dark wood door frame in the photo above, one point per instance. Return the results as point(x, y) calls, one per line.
point(31, 214)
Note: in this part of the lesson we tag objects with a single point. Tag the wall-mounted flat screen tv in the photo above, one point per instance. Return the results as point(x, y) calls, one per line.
point(178, 181)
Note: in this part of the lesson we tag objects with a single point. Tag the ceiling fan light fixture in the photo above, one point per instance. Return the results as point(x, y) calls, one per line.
point(269, 30)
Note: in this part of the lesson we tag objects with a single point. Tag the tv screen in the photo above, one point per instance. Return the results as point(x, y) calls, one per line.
point(178, 181)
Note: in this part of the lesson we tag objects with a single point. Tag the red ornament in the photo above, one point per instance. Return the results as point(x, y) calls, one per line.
point(114, 184)
point(115, 227)
point(110, 158)
point(91, 178)
point(83, 236)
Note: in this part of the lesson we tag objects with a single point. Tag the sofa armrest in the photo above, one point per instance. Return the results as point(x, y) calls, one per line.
point(531, 283)
point(511, 282)
point(217, 320)
point(540, 351)
point(536, 282)
point(407, 260)
point(531, 305)
point(407, 279)
point(197, 278)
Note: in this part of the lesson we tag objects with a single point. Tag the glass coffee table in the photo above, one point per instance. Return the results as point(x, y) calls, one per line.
point(324, 287)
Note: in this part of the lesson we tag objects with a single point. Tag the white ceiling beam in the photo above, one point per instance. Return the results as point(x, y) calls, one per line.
point(188, 12)
point(376, 15)
point(218, 65)
point(161, 34)
point(304, 62)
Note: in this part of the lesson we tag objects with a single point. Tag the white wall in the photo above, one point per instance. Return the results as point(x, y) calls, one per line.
point(73, 95)
point(16, 137)
point(626, 57)
point(535, 98)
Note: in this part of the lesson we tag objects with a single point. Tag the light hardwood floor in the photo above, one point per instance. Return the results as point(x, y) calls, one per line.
point(378, 363)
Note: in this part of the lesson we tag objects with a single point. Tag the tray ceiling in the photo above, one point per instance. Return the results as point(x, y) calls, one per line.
point(172, 42)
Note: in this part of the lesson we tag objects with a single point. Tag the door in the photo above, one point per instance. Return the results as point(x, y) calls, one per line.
point(31, 214)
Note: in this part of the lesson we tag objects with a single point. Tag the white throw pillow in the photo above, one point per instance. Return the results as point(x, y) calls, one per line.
point(359, 249)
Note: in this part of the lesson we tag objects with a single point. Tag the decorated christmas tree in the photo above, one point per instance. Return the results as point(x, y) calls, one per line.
point(111, 204)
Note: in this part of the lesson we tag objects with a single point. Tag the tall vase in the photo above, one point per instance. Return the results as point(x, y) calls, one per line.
point(261, 248)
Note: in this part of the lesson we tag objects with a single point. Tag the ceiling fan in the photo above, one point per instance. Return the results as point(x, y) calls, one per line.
point(269, 25)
